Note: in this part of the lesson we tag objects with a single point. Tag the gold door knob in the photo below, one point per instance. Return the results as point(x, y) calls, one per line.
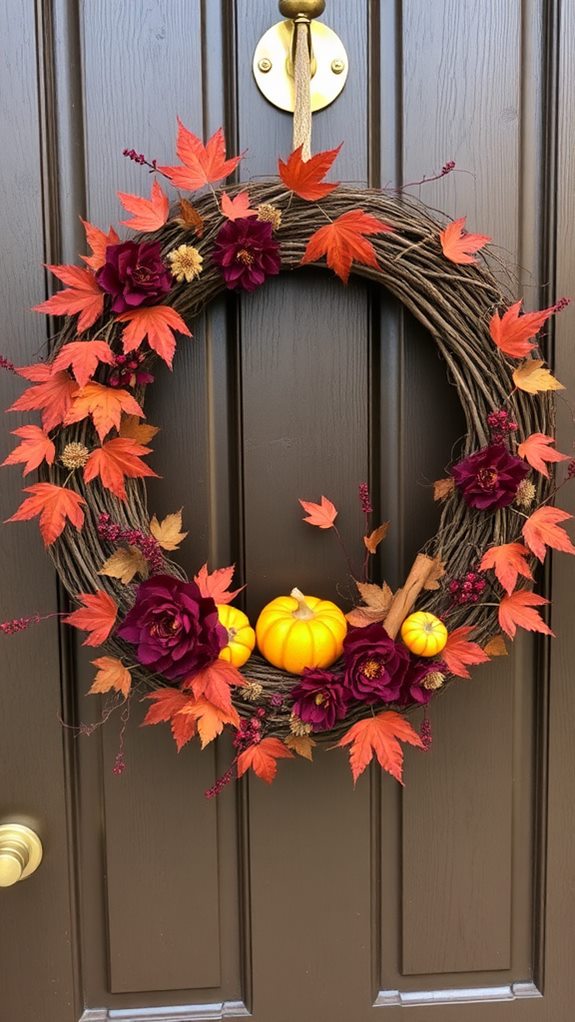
point(20, 853)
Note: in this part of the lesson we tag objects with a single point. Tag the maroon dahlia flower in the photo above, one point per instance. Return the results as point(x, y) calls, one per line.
point(320, 699)
point(375, 665)
point(489, 478)
point(247, 253)
point(174, 628)
point(134, 275)
point(413, 689)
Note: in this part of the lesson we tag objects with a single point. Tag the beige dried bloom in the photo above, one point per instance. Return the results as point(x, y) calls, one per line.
point(525, 494)
point(434, 680)
point(74, 455)
point(297, 726)
point(252, 691)
point(185, 263)
point(269, 214)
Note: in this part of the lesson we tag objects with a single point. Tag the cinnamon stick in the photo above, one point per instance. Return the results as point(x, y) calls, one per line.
point(405, 598)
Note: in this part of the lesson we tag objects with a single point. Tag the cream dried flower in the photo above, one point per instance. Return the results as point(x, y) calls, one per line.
point(434, 680)
point(252, 691)
point(269, 214)
point(74, 455)
point(297, 726)
point(525, 494)
point(185, 263)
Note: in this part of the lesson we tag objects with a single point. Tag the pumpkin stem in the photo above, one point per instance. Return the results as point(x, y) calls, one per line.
point(304, 611)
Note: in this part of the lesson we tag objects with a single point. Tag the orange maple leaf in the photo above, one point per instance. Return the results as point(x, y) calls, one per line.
point(214, 683)
point(323, 515)
point(98, 241)
point(541, 530)
point(210, 719)
point(166, 702)
point(457, 245)
point(104, 405)
point(54, 504)
point(183, 727)
point(508, 561)
point(97, 616)
point(217, 583)
point(115, 461)
point(239, 206)
point(263, 757)
point(131, 427)
point(516, 611)
point(82, 295)
point(513, 333)
point(304, 177)
point(51, 395)
point(84, 358)
point(380, 735)
point(35, 448)
point(158, 323)
point(344, 242)
point(458, 652)
point(202, 164)
point(112, 675)
point(149, 214)
point(536, 450)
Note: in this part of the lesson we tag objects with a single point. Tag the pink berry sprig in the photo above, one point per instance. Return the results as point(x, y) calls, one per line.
point(467, 589)
point(149, 547)
point(501, 425)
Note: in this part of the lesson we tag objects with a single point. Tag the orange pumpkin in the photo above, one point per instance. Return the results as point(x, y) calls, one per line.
point(297, 631)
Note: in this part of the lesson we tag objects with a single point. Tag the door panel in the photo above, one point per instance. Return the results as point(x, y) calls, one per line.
point(308, 900)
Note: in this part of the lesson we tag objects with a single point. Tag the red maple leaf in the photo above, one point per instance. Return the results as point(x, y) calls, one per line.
point(516, 611)
point(84, 358)
point(98, 241)
point(304, 177)
point(380, 735)
point(157, 323)
point(115, 461)
point(104, 405)
point(344, 241)
point(82, 295)
point(214, 683)
point(457, 245)
point(202, 164)
point(54, 505)
point(35, 448)
point(513, 333)
point(323, 515)
point(238, 207)
point(458, 652)
point(262, 758)
point(183, 727)
point(217, 583)
point(97, 616)
point(536, 450)
point(541, 531)
point(508, 561)
point(149, 214)
point(51, 395)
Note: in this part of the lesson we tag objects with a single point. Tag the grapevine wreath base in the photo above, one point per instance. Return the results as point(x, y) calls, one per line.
point(129, 303)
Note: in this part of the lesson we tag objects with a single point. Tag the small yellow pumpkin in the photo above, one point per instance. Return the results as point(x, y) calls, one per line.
point(297, 631)
point(423, 633)
point(241, 636)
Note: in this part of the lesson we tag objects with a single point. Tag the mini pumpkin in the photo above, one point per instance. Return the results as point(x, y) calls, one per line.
point(241, 636)
point(423, 633)
point(297, 631)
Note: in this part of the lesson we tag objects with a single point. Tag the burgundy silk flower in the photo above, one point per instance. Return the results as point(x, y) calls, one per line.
point(413, 690)
point(375, 665)
point(134, 275)
point(174, 628)
point(246, 253)
point(489, 478)
point(320, 699)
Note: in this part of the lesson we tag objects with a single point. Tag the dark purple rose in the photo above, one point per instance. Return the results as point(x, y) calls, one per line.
point(247, 253)
point(134, 275)
point(413, 689)
point(490, 478)
point(375, 665)
point(175, 629)
point(320, 699)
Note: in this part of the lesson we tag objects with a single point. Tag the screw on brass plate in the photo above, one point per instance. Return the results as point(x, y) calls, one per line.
point(337, 66)
point(265, 65)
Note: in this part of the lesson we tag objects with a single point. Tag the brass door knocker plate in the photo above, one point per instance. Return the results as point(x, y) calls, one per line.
point(273, 65)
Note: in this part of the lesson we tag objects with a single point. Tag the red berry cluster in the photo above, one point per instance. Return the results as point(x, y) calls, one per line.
point(250, 730)
point(127, 371)
point(468, 588)
point(19, 624)
point(147, 545)
point(571, 469)
point(139, 158)
point(501, 425)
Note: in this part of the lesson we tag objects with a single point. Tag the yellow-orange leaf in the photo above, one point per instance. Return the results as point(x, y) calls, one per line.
point(532, 377)
point(124, 564)
point(537, 451)
point(344, 241)
point(457, 245)
point(213, 683)
point(35, 448)
point(104, 405)
point(157, 323)
point(133, 429)
point(55, 505)
point(168, 532)
point(201, 164)
point(541, 530)
point(97, 616)
point(82, 295)
point(112, 675)
point(380, 735)
point(304, 177)
point(210, 719)
point(262, 758)
point(508, 561)
point(115, 461)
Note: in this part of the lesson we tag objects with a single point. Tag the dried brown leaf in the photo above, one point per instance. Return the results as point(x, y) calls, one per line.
point(168, 532)
point(124, 563)
point(437, 572)
point(302, 744)
point(375, 538)
point(190, 217)
point(496, 646)
point(443, 488)
point(377, 600)
point(132, 428)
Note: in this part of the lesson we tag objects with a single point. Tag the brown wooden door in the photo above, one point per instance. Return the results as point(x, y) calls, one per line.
point(309, 900)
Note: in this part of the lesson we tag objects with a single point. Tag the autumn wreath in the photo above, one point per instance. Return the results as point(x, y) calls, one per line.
point(318, 675)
